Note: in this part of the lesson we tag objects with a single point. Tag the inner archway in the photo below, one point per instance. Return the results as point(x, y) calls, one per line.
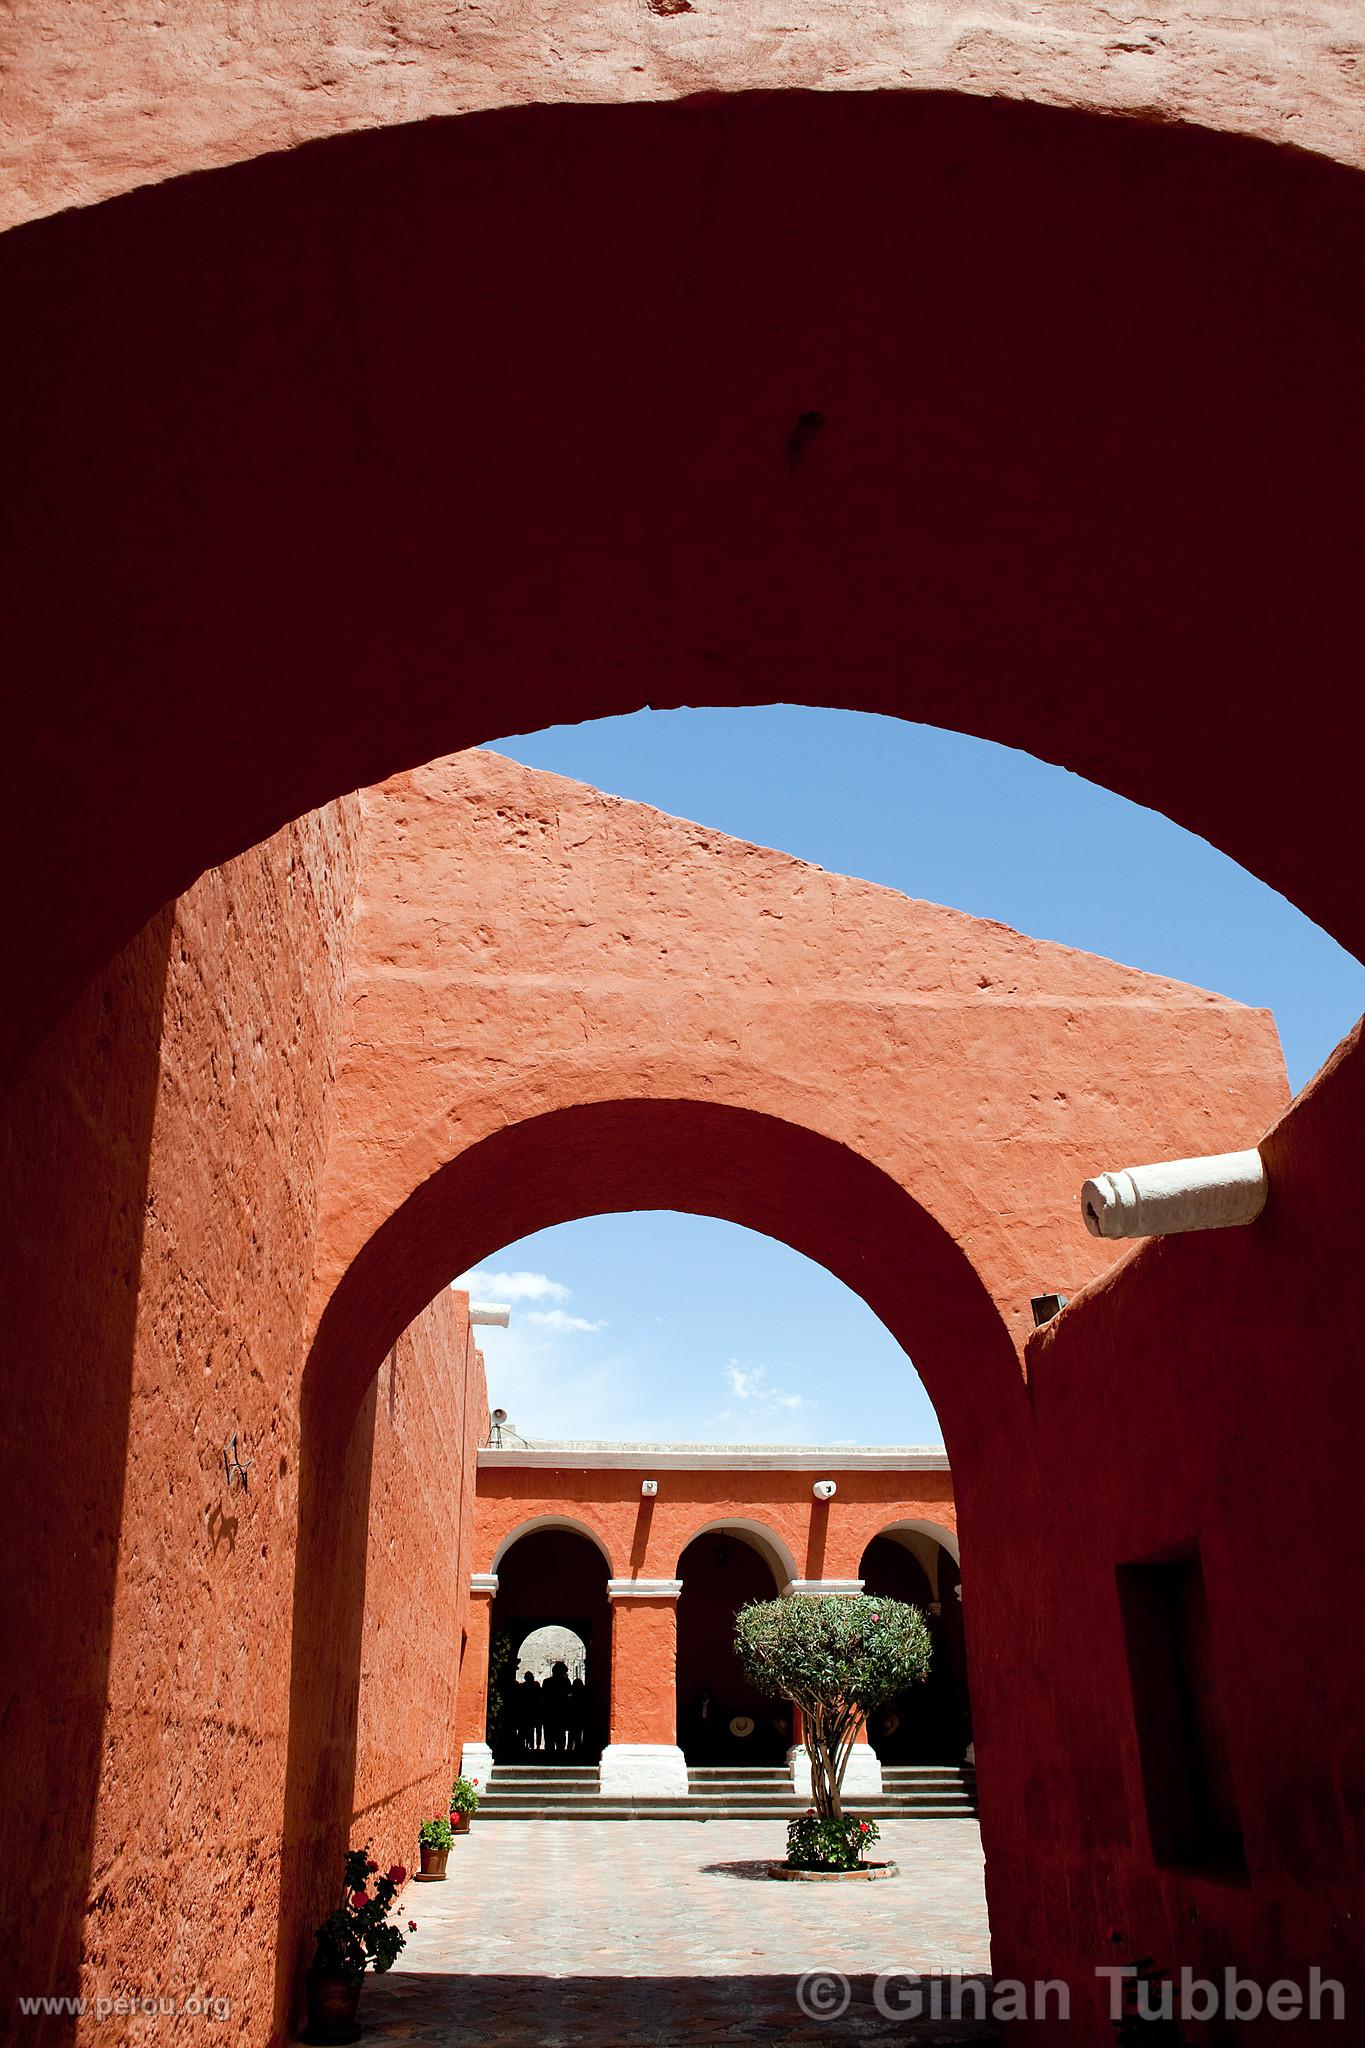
point(932, 1724)
point(550, 1651)
point(722, 1717)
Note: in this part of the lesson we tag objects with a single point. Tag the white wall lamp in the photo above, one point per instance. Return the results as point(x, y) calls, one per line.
point(825, 1489)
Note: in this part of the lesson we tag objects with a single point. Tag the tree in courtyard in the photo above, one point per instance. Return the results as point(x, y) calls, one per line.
point(840, 1659)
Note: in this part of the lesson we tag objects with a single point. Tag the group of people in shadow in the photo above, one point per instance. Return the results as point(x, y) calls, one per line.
point(550, 1715)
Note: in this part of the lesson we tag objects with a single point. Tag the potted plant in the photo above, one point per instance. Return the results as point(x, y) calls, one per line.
point(464, 1804)
point(840, 1659)
point(434, 1839)
point(357, 1935)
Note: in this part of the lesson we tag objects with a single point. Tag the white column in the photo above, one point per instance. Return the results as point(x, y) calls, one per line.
point(643, 1693)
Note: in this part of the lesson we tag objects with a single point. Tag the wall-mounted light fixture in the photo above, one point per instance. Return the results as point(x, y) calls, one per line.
point(648, 1488)
point(825, 1489)
point(1045, 1307)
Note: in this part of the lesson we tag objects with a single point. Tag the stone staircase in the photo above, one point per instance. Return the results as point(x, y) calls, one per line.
point(721, 1792)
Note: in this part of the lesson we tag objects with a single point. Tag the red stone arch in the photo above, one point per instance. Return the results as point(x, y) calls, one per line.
point(573, 1525)
point(774, 1550)
point(820, 1197)
point(312, 497)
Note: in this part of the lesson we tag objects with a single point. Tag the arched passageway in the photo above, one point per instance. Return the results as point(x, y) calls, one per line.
point(820, 1197)
point(928, 490)
point(543, 1708)
point(932, 1724)
point(722, 1718)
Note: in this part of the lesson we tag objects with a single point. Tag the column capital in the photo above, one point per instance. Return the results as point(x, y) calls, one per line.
point(823, 1586)
point(483, 1582)
point(643, 1589)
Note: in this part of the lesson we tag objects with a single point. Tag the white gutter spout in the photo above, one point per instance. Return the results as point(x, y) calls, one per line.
point(489, 1315)
point(1177, 1194)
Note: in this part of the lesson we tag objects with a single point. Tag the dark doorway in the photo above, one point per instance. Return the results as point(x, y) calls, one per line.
point(549, 1679)
point(721, 1718)
point(932, 1724)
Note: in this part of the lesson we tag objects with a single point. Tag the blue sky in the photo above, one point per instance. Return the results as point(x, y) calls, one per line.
point(677, 1327)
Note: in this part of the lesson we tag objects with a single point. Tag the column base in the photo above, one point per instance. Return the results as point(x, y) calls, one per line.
point(862, 1776)
point(644, 1770)
point(476, 1761)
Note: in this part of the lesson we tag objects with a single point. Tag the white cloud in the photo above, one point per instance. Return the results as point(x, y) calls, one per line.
point(559, 1319)
point(751, 1383)
point(511, 1287)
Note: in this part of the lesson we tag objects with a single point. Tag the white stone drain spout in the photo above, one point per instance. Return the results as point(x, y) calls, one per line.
point(1176, 1194)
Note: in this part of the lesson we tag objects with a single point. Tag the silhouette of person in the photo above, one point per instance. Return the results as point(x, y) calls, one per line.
point(578, 1717)
point(529, 1713)
point(555, 1695)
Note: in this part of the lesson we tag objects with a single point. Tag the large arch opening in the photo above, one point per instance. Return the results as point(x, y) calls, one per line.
point(925, 543)
point(819, 1197)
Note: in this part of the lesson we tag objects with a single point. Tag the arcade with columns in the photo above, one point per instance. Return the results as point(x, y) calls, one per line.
point(643, 1554)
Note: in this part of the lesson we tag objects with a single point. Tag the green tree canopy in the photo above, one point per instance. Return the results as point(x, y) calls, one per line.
point(840, 1659)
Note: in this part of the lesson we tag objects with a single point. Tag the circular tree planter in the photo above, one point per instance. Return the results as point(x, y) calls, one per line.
point(866, 1873)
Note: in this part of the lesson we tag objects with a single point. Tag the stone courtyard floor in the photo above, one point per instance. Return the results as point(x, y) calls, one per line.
point(625, 1932)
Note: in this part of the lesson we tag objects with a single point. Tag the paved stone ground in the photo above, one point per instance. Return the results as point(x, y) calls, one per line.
point(654, 1932)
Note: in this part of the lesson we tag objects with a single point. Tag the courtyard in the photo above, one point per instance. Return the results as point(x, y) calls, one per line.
point(656, 1931)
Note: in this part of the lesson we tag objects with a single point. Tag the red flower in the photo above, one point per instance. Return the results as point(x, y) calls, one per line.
point(863, 1825)
point(810, 1810)
point(359, 1899)
point(876, 1617)
point(412, 1927)
point(372, 1865)
point(397, 1874)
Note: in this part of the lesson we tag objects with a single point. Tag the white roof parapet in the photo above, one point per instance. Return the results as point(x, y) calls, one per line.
point(823, 1587)
point(596, 1455)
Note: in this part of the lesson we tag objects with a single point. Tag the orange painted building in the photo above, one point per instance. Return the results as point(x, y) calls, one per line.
point(647, 1551)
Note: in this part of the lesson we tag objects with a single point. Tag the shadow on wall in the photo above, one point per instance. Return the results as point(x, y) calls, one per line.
point(77, 1143)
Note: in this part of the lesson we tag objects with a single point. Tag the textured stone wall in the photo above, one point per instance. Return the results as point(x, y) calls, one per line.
point(1208, 1390)
point(1093, 427)
point(429, 1417)
point(158, 1207)
point(109, 97)
point(645, 1538)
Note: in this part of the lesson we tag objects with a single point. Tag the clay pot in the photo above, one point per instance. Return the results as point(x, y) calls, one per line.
point(332, 2003)
point(460, 1822)
point(433, 1861)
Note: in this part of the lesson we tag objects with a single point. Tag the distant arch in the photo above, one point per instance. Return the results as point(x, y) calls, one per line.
point(758, 1535)
point(535, 1523)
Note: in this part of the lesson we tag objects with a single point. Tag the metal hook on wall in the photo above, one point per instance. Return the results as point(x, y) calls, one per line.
point(233, 1465)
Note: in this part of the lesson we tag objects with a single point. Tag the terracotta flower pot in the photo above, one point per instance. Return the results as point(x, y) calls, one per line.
point(433, 1861)
point(332, 2004)
point(460, 1822)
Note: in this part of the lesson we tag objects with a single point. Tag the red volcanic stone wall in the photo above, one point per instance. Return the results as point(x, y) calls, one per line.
point(1209, 1392)
point(430, 1414)
point(645, 1538)
point(158, 1207)
point(160, 1198)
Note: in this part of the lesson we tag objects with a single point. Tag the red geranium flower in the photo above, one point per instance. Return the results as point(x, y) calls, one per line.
point(359, 1899)
point(372, 1865)
point(397, 1874)
point(412, 1927)
point(863, 1825)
